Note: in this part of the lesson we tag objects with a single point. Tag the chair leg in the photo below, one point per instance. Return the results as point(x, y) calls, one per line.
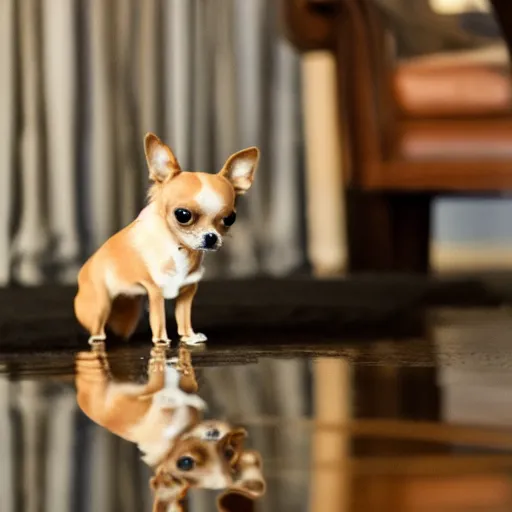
point(388, 232)
point(503, 15)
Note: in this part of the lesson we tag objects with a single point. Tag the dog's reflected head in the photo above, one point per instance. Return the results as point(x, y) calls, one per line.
point(205, 456)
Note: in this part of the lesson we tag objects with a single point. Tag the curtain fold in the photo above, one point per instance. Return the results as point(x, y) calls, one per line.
point(32, 239)
point(59, 462)
point(60, 51)
point(8, 132)
point(210, 78)
point(103, 194)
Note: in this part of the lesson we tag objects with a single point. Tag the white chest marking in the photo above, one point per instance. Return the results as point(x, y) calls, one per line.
point(165, 428)
point(210, 201)
point(170, 282)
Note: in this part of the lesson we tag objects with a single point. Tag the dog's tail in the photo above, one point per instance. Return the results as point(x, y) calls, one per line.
point(125, 315)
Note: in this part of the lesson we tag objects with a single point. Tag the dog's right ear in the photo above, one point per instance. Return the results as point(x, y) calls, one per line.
point(248, 486)
point(162, 163)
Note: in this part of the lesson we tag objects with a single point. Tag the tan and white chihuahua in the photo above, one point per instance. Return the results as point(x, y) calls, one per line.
point(163, 416)
point(160, 254)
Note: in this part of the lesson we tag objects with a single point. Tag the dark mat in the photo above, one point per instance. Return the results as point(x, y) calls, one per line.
point(264, 311)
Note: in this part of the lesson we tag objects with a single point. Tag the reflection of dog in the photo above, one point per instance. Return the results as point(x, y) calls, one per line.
point(246, 484)
point(152, 414)
point(164, 418)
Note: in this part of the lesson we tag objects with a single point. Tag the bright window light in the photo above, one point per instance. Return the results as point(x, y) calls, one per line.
point(458, 6)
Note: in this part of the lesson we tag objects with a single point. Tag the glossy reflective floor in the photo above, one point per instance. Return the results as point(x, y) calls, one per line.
point(420, 424)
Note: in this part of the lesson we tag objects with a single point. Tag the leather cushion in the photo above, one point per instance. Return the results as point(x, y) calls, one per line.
point(455, 140)
point(454, 85)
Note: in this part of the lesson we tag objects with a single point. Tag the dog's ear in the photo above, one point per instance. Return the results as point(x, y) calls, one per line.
point(236, 438)
point(162, 163)
point(167, 488)
point(250, 474)
point(240, 168)
point(248, 486)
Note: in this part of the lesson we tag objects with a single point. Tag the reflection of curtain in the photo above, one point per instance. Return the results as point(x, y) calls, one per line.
point(93, 76)
point(7, 459)
point(275, 389)
point(61, 460)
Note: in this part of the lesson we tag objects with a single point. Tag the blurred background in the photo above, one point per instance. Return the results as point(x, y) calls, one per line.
point(350, 103)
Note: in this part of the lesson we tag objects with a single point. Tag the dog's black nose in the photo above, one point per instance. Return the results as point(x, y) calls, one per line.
point(210, 240)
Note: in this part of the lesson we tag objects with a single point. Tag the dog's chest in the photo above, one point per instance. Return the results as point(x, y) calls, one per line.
point(172, 273)
point(168, 264)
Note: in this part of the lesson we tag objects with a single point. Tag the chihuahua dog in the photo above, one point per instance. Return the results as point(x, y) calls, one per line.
point(160, 254)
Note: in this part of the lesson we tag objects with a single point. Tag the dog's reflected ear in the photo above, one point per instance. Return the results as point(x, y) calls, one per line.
point(236, 438)
point(248, 486)
point(250, 479)
point(168, 490)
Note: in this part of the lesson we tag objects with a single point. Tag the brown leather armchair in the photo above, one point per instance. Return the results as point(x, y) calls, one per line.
point(436, 124)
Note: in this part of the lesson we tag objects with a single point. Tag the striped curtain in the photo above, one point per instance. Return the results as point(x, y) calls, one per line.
point(85, 79)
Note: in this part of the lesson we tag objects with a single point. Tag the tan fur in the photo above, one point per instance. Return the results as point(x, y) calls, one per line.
point(167, 491)
point(94, 305)
point(127, 409)
point(188, 380)
point(157, 256)
point(108, 403)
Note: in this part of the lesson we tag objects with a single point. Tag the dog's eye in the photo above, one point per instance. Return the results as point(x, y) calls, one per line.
point(185, 463)
point(183, 216)
point(230, 219)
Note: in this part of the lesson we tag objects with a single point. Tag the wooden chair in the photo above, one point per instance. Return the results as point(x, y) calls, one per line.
point(432, 125)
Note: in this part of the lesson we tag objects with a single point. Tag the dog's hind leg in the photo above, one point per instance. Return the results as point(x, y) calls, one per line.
point(92, 308)
point(102, 310)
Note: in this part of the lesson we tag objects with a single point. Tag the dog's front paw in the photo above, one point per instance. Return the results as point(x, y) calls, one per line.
point(162, 341)
point(194, 339)
point(96, 338)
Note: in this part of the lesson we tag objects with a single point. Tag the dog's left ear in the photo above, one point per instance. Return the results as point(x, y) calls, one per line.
point(236, 438)
point(240, 168)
